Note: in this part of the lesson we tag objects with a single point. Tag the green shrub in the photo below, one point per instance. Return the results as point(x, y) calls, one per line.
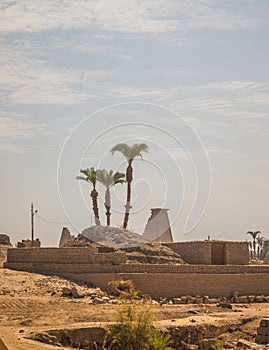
point(134, 330)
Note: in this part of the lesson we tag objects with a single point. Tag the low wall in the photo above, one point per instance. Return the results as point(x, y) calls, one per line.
point(171, 285)
point(72, 255)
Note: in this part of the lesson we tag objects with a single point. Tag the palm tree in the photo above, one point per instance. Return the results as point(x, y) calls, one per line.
point(130, 153)
point(90, 177)
point(108, 179)
point(260, 242)
point(254, 235)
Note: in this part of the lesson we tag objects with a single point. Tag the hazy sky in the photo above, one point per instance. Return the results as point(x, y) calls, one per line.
point(188, 77)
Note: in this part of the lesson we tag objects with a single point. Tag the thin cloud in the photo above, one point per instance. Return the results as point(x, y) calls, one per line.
point(27, 80)
point(14, 125)
point(133, 16)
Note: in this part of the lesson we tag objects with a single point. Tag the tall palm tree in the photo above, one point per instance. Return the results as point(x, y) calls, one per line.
point(254, 235)
point(90, 177)
point(108, 179)
point(130, 153)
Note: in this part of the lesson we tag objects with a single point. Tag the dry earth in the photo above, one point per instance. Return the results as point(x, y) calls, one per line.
point(33, 302)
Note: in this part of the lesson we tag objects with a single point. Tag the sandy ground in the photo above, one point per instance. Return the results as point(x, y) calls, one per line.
point(30, 302)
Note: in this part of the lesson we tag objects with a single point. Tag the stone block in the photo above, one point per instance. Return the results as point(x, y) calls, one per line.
point(243, 299)
point(263, 330)
point(199, 301)
point(212, 300)
point(179, 301)
point(262, 339)
point(251, 298)
point(264, 322)
point(259, 298)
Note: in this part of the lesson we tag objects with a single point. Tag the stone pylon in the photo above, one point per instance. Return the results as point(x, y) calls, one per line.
point(158, 226)
point(65, 237)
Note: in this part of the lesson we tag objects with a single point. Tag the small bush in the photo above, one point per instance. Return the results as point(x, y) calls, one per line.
point(134, 330)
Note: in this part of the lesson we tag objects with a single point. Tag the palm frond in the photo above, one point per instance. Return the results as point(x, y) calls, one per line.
point(130, 152)
point(122, 148)
point(90, 176)
point(118, 178)
point(108, 179)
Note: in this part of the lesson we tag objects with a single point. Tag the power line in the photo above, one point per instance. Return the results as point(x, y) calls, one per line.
point(60, 223)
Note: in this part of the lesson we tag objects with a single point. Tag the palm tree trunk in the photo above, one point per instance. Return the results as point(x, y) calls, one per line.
point(107, 206)
point(129, 178)
point(254, 247)
point(94, 195)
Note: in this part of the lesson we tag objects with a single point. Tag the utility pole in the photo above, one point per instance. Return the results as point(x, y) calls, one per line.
point(32, 223)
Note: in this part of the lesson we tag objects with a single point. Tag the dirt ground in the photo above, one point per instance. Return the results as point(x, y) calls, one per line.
point(31, 302)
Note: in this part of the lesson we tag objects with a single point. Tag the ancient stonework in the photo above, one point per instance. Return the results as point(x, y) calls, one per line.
point(4, 239)
point(263, 332)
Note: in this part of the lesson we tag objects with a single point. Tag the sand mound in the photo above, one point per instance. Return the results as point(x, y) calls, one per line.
point(137, 249)
point(153, 253)
point(113, 236)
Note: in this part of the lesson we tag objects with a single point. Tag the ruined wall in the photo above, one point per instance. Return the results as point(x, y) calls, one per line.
point(196, 252)
point(3, 255)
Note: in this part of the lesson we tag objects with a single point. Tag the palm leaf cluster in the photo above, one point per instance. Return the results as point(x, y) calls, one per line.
point(257, 243)
point(109, 179)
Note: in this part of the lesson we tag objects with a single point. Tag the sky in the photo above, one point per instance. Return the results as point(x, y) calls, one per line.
point(190, 78)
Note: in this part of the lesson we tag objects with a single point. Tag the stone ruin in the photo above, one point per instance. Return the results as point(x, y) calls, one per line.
point(28, 243)
point(65, 237)
point(263, 332)
point(5, 240)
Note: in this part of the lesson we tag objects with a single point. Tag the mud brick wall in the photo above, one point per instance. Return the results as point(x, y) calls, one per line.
point(237, 253)
point(63, 256)
point(200, 252)
point(137, 268)
point(175, 285)
point(109, 258)
point(193, 252)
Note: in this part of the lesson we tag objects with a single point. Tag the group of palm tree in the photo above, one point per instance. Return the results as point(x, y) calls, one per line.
point(257, 243)
point(110, 179)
